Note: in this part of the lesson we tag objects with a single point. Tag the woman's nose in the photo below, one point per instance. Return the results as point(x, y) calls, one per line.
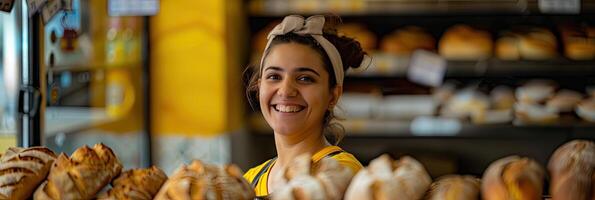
point(287, 89)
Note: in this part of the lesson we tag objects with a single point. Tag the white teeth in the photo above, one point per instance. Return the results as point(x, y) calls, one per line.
point(288, 109)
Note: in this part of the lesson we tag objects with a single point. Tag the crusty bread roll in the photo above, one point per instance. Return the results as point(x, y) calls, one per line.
point(579, 42)
point(454, 187)
point(513, 178)
point(136, 184)
point(81, 176)
point(22, 170)
point(404, 41)
point(461, 42)
point(564, 101)
point(204, 181)
point(507, 47)
point(572, 169)
point(538, 44)
point(386, 178)
point(326, 179)
point(586, 109)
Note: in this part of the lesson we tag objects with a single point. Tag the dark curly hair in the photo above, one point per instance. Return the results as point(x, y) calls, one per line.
point(351, 53)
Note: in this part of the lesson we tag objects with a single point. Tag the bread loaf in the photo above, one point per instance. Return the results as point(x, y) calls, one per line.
point(461, 42)
point(513, 178)
point(81, 176)
point(136, 184)
point(22, 170)
point(572, 170)
point(203, 181)
point(326, 179)
point(385, 178)
point(404, 41)
point(455, 187)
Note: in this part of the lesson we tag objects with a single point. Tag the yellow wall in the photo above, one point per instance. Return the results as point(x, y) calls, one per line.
point(191, 69)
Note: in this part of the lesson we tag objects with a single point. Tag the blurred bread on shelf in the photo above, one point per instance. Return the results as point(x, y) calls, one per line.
point(359, 32)
point(572, 171)
point(386, 178)
point(205, 181)
point(81, 176)
point(403, 41)
point(462, 42)
point(23, 169)
point(406, 106)
point(526, 113)
point(538, 44)
point(564, 101)
point(326, 179)
point(507, 47)
point(535, 91)
point(586, 109)
point(502, 97)
point(454, 187)
point(513, 177)
point(579, 41)
point(465, 104)
point(136, 184)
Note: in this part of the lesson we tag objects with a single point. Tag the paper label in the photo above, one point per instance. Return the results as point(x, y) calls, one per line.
point(51, 8)
point(34, 6)
point(426, 68)
point(133, 7)
point(6, 5)
point(560, 6)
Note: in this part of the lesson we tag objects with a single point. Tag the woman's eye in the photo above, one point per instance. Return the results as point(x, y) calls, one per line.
point(306, 79)
point(273, 77)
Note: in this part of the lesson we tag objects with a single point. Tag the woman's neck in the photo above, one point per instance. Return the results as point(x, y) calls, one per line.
point(291, 146)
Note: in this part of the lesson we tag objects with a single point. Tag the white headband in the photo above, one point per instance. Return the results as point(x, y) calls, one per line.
point(312, 26)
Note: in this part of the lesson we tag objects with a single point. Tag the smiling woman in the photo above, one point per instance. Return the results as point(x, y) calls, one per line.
point(297, 85)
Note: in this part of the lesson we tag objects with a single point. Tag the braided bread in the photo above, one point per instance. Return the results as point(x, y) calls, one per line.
point(22, 169)
point(203, 181)
point(136, 184)
point(80, 177)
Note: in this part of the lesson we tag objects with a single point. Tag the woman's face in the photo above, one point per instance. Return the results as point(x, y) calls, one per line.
point(294, 89)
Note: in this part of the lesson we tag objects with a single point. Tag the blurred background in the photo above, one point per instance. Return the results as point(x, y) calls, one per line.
point(456, 84)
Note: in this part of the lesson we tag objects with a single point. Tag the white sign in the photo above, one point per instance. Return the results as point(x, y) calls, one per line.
point(51, 8)
point(6, 5)
point(426, 68)
point(560, 6)
point(133, 7)
point(34, 5)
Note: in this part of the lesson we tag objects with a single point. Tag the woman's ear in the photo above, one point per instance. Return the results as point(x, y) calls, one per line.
point(335, 95)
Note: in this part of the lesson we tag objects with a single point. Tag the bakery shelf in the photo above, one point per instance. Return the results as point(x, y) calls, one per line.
point(95, 67)
point(400, 7)
point(70, 119)
point(370, 128)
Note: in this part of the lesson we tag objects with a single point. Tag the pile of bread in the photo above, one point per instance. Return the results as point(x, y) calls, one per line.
point(39, 174)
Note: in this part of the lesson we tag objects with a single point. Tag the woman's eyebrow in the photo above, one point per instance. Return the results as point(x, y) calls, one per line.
point(274, 68)
point(307, 69)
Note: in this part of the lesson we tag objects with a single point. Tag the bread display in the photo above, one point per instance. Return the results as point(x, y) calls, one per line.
point(454, 187)
point(579, 42)
point(22, 170)
point(586, 109)
point(507, 47)
point(81, 176)
point(535, 92)
point(564, 101)
point(386, 178)
point(572, 169)
point(513, 178)
point(326, 179)
point(204, 181)
point(359, 32)
point(136, 184)
point(537, 44)
point(462, 42)
point(404, 41)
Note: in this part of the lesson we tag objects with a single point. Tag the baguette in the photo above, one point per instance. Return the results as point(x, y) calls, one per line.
point(22, 170)
point(570, 167)
point(81, 176)
point(136, 184)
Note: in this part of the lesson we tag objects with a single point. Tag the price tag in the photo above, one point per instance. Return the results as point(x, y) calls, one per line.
point(133, 7)
point(51, 8)
point(560, 6)
point(426, 68)
point(6, 5)
point(34, 6)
